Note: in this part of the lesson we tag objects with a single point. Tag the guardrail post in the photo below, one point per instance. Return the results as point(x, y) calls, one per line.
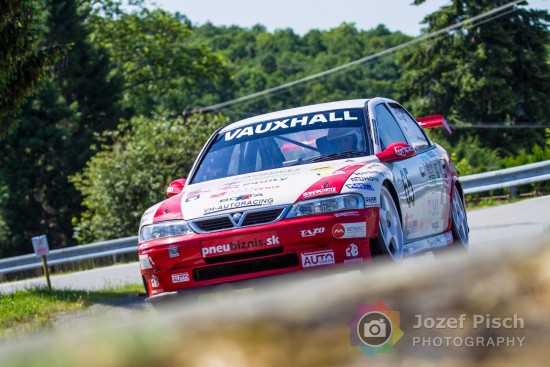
point(513, 192)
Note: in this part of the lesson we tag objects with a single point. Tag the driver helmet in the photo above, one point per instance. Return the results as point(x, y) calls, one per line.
point(346, 138)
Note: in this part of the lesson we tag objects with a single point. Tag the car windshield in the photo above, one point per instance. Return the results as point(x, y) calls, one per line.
point(289, 141)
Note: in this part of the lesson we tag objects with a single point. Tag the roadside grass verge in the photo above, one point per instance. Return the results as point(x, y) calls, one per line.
point(33, 309)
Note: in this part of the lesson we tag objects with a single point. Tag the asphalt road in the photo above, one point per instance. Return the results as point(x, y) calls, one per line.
point(519, 221)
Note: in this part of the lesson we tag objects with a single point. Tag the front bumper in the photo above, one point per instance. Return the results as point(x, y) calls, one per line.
point(196, 260)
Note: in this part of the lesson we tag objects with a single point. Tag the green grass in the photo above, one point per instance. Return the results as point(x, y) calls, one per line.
point(33, 309)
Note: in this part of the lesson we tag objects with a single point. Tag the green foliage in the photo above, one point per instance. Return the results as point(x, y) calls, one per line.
point(491, 72)
point(24, 60)
point(261, 60)
point(53, 137)
point(161, 70)
point(537, 154)
point(34, 163)
point(131, 172)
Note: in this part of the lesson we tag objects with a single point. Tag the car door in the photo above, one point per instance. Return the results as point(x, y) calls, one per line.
point(435, 216)
point(412, 187)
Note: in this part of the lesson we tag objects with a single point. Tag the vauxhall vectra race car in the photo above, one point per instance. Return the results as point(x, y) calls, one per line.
point(333, 183)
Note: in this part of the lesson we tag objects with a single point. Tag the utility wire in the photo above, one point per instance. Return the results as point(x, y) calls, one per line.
point(422, 38)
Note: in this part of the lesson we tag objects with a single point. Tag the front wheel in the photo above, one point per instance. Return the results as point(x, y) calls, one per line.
point(390, 242)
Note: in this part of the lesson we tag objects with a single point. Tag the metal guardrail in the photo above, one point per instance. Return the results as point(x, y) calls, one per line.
point(70, 254)
point(509, 177)
point(481, 182)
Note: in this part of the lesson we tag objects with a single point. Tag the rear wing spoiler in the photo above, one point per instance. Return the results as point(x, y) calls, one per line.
point(434, 121)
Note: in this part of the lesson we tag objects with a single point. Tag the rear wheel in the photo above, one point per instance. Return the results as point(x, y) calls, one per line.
point(459, 226)
point(390, 242)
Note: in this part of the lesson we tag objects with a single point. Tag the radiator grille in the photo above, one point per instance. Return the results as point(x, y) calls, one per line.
point(237, 220)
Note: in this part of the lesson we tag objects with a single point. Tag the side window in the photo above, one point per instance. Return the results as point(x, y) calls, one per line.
point(411, 128)
point(388, 128)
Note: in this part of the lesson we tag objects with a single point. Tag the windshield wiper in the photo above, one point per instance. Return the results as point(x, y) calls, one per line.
point(331, 156)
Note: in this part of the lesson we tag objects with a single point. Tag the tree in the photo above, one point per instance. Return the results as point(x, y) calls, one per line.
point(260, 60)
point(494, 71)
point(24, 59)
point(52, 142)
point(161, 69)
point(132, 170)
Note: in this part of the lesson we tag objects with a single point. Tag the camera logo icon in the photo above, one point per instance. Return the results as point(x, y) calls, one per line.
point(374, 328)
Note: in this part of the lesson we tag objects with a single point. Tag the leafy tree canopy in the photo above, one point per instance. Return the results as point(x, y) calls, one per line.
point(132, 170)
point(493, 71)
point(161, 70)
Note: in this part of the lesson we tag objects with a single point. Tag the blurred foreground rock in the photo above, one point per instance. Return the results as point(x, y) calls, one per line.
point(301, 319)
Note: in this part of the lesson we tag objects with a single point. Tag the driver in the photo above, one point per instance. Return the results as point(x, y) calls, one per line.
point(344, 139)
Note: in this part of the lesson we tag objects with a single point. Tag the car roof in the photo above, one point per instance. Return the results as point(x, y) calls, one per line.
point(352, 103)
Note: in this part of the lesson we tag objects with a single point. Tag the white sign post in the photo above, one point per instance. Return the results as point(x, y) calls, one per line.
point(40, 245)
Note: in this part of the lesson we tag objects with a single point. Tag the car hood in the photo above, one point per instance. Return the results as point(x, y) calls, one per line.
point(282, 186)
point(268, 188)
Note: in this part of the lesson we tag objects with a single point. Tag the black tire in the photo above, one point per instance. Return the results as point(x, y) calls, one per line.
point(459, 224)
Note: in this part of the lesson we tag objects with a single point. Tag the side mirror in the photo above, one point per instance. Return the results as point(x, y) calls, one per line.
point(396, 152)
point(176, 187)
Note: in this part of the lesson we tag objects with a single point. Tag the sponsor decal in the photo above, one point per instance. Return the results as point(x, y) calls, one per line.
point(349, 230)
point(404, 151)
point(370, 199)
point(312, 232)
point(368, 172)
point(306, 120)
point(231, 186)
point(352, 250)
point(361, 186)
point(318, 258)
point(243, 191)
point(410, 223)
point(346, 214)
point(322, 168)
point(180, 278)
point(145, 262)
point(173, 252)
point(363, 179)
point(354, 260)
point(238, 204)
point(192, 198)
point(422, 171)
point(238, 244)
point(265, 181)
point(328, 190)
point(437, 169)
point(241, 197)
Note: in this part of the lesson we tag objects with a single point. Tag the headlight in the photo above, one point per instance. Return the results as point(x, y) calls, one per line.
point(326, 205)
point(164, 229)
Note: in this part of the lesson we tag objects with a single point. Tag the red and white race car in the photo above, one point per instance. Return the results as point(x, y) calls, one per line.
point(333, 183)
